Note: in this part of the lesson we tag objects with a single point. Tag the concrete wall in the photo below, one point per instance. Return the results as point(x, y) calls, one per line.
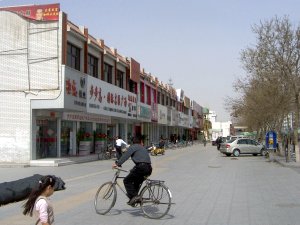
point(29, 69)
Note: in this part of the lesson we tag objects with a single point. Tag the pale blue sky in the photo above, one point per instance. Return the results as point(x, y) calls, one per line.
point(196, 43)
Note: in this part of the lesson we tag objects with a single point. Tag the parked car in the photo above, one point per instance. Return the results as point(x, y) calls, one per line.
point(235, 137)
point(239, 146)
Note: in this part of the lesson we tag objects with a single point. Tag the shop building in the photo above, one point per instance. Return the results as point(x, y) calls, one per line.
point(65, 93)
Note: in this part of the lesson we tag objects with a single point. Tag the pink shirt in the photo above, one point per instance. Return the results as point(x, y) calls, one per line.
point(41, 207)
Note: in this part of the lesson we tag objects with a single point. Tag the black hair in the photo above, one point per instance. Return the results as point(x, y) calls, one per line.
point(43, 183)
point(137, 140)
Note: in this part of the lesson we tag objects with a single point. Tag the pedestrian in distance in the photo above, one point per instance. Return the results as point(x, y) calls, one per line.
point(38, 202)
point(119, 143)
point(218, 142)
point(138, 173)
point(161, 143)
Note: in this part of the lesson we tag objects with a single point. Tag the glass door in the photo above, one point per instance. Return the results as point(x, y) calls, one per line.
point(46, 138)
point(65, 144)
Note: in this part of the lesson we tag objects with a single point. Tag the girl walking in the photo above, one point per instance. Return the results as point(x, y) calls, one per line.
point(38, 202)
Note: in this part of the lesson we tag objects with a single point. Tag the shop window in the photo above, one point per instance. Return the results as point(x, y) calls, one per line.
point(85, 133)
point(66, 129)
point(100, 137)
point(46, 138)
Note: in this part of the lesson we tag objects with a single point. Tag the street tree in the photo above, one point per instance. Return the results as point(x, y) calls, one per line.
point(273, 69)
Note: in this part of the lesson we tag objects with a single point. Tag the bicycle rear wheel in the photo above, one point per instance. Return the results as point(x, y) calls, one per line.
point(105, 198)
point(155, 200)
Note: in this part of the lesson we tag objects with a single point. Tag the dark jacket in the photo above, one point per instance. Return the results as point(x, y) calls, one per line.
point(19, 190)
point(137, 153)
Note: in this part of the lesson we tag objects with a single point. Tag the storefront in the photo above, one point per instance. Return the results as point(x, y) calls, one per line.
point(69, 134)
point(162, 122)
point(142, 130)
point(91, 113)
point(92, 132)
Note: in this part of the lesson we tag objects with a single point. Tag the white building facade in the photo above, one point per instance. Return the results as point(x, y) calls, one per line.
point(219, 129)
point(64, 93)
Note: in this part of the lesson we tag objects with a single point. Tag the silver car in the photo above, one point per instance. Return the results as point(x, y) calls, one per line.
point(242, 146)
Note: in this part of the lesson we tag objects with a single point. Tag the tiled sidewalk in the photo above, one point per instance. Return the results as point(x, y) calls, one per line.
point(282, 161)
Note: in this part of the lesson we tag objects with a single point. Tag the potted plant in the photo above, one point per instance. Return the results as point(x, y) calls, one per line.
point(87, 136)
point(85, 141)
point(100, 139)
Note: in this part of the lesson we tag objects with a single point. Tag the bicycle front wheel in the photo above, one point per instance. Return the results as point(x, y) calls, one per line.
point(155, 200)
point(105, 198)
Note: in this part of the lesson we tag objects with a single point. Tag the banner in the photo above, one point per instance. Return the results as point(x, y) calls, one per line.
point(107, 99)
point(36, 12)
point(134, 70)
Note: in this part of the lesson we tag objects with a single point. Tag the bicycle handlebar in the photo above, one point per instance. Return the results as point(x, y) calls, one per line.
point(118, 168)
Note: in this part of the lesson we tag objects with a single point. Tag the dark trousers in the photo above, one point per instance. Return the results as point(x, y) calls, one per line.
point(118, 152)
point(135, 178)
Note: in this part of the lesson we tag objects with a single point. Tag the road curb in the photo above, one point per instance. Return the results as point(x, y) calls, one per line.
point(287, 164)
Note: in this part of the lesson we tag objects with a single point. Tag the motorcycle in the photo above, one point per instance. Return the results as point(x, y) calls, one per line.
point(149, 147)
point(155, 149)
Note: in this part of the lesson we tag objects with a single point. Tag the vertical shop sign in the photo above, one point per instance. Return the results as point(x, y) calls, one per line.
point(75, 90)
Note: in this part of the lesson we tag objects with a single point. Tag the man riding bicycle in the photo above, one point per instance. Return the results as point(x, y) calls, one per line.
point(139, 172)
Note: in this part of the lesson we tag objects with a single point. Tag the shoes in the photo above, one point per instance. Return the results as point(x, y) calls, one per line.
point(134, 200)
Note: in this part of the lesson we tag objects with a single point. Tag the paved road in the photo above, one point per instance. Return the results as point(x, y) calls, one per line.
point(208, 189)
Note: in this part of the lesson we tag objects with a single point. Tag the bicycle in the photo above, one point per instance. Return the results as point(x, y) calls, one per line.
point(170, 145)
point(107, 152)
point(154, 197)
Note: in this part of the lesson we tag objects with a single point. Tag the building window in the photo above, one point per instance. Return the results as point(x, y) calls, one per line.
point(154, 95)
point(142, 92)
point(73, 57)
point(167, 100)
point(148, 95)
point(120, 80)
point(92, 66)
point(162, 99)
point(158, 97)
point(108, 73)
point(132, 86)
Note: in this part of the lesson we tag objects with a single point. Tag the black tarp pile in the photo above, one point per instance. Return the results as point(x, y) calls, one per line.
point(19, 190)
